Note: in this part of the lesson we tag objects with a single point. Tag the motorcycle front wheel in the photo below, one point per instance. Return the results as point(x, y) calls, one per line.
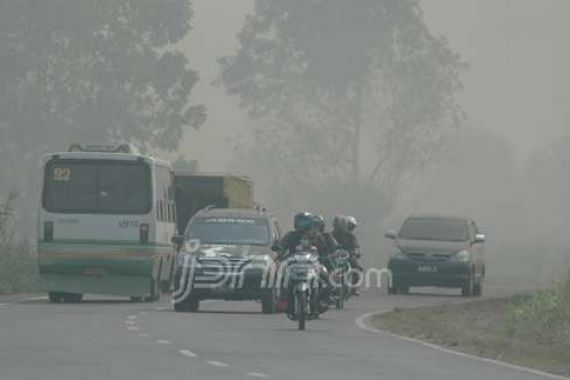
point(302, 310)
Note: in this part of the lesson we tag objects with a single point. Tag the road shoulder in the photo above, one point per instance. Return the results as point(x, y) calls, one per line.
point(475, 329)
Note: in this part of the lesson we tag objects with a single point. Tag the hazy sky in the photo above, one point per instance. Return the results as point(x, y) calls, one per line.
point(517, 84)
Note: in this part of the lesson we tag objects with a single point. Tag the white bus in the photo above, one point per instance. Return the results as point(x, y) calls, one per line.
point(106, 224)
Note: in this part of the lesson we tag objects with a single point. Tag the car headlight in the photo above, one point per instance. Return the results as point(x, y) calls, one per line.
point(398, 254)
point(462, 256)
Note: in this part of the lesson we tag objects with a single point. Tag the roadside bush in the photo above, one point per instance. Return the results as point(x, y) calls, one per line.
point(544, 315)
point(18, 268)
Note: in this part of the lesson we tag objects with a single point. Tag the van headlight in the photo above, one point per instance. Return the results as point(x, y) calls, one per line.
point(462, 256)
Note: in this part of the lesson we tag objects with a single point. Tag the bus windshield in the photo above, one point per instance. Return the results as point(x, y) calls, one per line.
point(97, 187)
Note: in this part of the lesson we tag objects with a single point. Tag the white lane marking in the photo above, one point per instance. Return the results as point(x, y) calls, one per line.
point(163, 342)
point(258, 375)
point(144, 336)
point(132, 317)
point(361, 323)
point(130, 322)
point(32, 299)
point(132, 328)
point(187, 353)
point(217, 364)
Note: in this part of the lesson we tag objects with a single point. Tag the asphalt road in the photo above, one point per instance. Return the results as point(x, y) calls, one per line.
point(115, 339)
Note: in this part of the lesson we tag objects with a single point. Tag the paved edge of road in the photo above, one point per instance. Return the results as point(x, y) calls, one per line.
point(362, 323)
point(8, 299)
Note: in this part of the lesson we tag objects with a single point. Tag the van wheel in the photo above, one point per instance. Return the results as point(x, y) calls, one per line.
point(55, 297)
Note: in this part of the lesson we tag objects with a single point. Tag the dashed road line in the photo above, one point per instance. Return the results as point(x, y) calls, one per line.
point(129, 322)
point(164, 342)
point(132, 328)
point(187, 353)
point(132, 317)
point(217, 364)
point(258, 375)
point(144, 336)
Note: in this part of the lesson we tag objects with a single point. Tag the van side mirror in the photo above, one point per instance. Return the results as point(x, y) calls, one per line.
point(480, 238)
point(276, 247)
point(391, 234)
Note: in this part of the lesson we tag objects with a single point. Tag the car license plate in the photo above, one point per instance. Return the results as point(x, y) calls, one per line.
point(427, 269)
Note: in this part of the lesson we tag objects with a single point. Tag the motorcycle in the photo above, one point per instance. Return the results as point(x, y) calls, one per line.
point(302, 268)
point(340, 262)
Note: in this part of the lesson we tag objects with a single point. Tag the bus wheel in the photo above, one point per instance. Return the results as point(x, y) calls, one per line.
point(55, 297)
point(154, 291)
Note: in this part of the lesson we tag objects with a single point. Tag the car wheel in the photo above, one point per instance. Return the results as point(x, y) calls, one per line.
point(467, 288)
point(72, 297)
point(55, 297)
point(269, 304)
point(478, 289)
point(190, 304)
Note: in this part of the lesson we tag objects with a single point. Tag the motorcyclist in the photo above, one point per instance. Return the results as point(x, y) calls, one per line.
point(343, 232)
point(330, 245)
point(304, 233)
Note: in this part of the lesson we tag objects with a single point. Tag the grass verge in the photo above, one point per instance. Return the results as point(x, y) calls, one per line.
point(499, 329)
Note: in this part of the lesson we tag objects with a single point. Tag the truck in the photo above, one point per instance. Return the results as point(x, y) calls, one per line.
point(196, 191)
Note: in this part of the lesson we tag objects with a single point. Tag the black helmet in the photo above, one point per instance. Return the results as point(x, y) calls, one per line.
point(304, 221)
point(320, 223)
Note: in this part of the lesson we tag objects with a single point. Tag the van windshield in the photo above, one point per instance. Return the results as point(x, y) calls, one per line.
point(97, 187)
point(434, 229)
point(229, 231)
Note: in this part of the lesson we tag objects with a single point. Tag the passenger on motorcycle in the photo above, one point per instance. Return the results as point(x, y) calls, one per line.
point(343, 232)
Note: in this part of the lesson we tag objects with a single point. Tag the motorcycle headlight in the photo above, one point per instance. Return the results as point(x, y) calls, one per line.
point(462, 256)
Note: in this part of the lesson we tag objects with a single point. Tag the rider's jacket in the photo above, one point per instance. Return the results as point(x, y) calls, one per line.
point(293, 238)
point(346, 240)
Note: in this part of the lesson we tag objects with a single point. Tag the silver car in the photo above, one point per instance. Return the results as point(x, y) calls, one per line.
point(443, 251)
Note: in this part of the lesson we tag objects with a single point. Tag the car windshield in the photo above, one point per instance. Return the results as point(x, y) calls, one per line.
point(240, 231)
point(97, 187)
point(434, 229)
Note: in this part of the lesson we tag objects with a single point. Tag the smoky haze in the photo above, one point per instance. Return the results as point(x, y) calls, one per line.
point(515, 95)
point(350, 121)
